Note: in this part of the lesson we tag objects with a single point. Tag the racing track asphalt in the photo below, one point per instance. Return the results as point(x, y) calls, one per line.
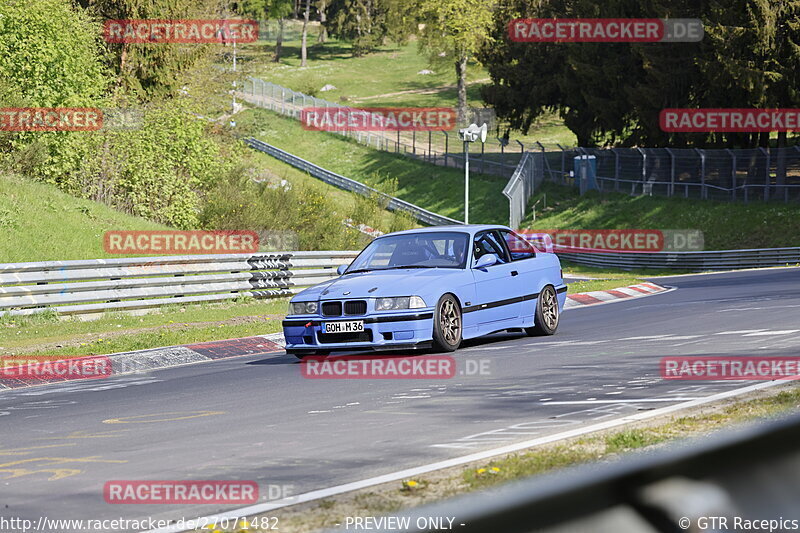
point(256, 418)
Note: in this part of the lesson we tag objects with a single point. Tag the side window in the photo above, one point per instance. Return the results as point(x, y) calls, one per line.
point(488, 243)
point(518, 247)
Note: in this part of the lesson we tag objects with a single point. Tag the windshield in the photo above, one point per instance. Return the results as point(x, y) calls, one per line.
point(413, 250)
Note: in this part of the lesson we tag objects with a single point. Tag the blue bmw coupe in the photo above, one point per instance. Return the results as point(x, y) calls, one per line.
point(430, 287)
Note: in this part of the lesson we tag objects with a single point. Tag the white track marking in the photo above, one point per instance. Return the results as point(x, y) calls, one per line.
point(465, 459)
point(644, 338)
point(739, 331)
point(780, 332)
point(677, 338)
point(591, 401)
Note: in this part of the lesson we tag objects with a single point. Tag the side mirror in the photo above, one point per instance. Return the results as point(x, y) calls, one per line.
point(341, 268)
point(486, 261)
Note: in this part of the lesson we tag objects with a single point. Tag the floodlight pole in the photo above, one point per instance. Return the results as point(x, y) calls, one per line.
point(466, 182)
point(234, 75)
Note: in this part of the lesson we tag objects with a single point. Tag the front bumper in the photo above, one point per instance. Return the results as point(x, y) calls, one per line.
point(381, 331)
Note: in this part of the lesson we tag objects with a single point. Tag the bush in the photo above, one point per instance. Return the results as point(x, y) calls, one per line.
point(158, 172)
point(238, 203)
point(49, 57)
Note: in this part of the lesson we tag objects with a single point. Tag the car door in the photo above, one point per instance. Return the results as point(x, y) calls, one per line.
point(529, 268)
point(496, 305)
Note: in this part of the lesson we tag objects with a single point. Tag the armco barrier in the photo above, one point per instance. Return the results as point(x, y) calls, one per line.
point(337, 180)
point(74, 287)
point(714, 260)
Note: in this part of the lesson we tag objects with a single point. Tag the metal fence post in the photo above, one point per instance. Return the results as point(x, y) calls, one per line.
point(644, 171)
point(671, 188)
point(446, 147)
point(766, 173)
point(733, 174)
point(703, 192)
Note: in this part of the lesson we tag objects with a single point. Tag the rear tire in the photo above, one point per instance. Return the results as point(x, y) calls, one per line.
point(547, 317)
point(447, 324)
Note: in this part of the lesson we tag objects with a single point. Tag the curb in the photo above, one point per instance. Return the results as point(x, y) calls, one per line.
point(612, 295)
point(172, 356)
point(167, 357)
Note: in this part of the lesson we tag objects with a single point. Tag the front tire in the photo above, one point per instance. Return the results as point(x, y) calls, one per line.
point(447, 324)
point(546, 319)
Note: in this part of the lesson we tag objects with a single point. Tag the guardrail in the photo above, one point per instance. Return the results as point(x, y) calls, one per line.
point(712, 260)
point(337, 180)
point(75, 287)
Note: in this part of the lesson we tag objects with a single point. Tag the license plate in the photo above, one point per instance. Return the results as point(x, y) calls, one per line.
point(351, 326)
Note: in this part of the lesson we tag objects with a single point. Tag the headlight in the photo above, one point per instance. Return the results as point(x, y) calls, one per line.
point(402, 302)
point(302, 308)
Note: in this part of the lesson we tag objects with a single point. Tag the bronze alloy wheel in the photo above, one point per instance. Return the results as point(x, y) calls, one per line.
point(545, 321)
point(447, 324)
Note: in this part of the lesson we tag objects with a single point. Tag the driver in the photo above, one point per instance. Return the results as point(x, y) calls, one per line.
point(459, 250)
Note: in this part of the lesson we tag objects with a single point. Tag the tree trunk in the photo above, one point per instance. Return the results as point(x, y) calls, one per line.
point(461, 75)
point(323, 18)
point(279, 41)
point(303, 46)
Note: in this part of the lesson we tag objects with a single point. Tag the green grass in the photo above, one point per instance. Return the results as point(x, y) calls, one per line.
point(601, 285)
point(122, 332)
point(348, 202)
point(437, 189)
point(40, 223)
point(355, 77)
point(725, 225)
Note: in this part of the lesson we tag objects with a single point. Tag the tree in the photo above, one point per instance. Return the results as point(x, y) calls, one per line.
point(44, 67)
point(613, 93)
point(368, 23)
point(322, 7)
point(270, 10)
point(152, 72)
point(457, 29)
point(304, 41)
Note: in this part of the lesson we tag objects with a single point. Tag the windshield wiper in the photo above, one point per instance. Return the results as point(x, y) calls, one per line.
point(407, 266)
point(358, 270)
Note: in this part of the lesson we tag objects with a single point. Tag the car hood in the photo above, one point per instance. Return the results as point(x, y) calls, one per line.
point(400, 282)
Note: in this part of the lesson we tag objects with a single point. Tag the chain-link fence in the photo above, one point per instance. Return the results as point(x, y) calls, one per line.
point(719, 174)
point(442, 148)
